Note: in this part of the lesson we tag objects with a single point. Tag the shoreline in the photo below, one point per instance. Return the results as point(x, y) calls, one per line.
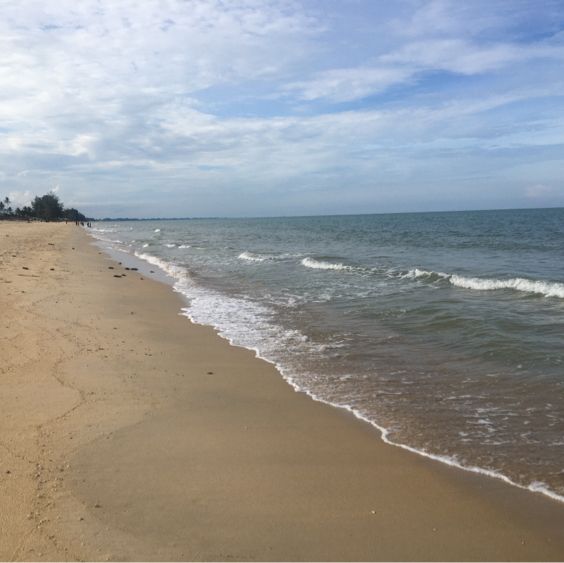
point(170, 277)
point(162, 441)
point(383, 432)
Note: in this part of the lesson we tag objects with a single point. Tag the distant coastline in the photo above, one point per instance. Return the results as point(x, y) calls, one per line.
point(120, 219)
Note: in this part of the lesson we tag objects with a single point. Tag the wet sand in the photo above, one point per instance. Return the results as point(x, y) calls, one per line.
point(128, 433)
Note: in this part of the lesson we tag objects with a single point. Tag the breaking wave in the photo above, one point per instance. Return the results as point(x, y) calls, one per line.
point(250, 257)
point(322, 265)
point(538, 287)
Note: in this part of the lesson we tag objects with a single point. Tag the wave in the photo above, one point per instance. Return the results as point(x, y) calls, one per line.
point(549, 289)
point(322, 265)
point(256, 257)
point(157, 231)
point(170, 245)
point(168, 268)
point(430, 276)
point(250, 257)
point(538, 287)
point(184, 246)
point(100, 230)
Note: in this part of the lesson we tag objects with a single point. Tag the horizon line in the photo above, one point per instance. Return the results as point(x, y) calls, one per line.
point(324, 214)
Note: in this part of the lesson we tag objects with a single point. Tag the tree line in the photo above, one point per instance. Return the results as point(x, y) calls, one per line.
point(47, 207)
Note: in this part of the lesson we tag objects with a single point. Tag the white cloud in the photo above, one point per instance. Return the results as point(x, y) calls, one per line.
point(348, 84)
point(465, 38)
point(69, 73)
point(447, 17)
point(406, 63)
point(463, 57)
point(20, 199)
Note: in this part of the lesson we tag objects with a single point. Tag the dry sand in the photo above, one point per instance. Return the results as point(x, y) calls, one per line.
point(128, 433)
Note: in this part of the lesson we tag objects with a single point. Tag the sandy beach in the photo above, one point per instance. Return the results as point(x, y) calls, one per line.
point(129, 433)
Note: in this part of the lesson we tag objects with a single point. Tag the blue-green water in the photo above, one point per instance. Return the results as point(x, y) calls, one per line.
point(445, 330)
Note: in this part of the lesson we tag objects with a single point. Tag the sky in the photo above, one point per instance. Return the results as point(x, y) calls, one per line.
point(170, 108)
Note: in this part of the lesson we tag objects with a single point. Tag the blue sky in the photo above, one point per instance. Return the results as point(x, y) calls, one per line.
point(281, 107)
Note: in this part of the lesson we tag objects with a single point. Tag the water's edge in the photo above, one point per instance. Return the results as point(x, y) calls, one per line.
point(168, 279)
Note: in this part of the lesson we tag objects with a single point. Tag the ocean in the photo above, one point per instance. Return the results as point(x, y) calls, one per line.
point(443, 330)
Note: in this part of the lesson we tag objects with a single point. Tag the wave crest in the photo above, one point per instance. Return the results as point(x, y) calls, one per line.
point(538, 287)
point(169, 268)
point(322, 265)
point(250, 257)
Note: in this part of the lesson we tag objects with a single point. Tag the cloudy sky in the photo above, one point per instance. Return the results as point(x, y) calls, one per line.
point(282, 107)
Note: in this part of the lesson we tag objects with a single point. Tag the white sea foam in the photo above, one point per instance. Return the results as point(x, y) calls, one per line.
point(549, 289)
point(157, 231)
point(172, 270)
point(241, 321)
point(184, 246)
point(105, 235)
point(539, 287)
point(250, 257)
point(100, 230)
point(322, 265)
point(170, 245)
point(146, 245)
point(256, 257)
point(417, 273)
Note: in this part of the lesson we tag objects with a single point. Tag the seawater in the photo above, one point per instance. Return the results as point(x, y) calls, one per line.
point(444, 330)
